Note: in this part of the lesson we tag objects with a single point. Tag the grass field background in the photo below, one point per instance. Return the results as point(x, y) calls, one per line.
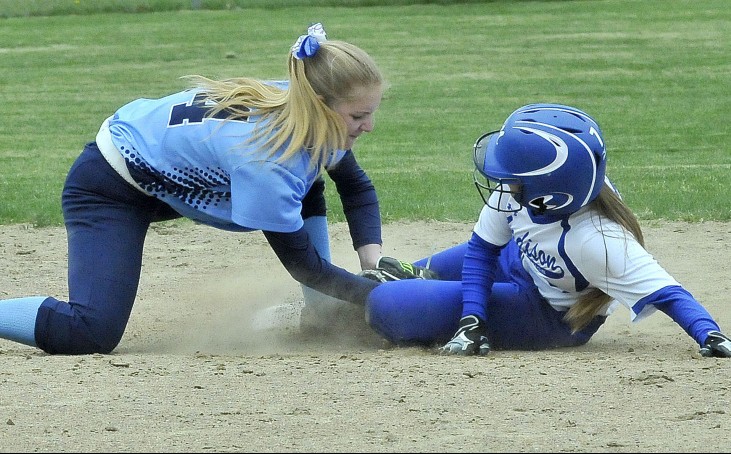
point(656, 75)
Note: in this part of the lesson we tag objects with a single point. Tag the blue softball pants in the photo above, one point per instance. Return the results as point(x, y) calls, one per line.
point(416, 312)
point(106, 222)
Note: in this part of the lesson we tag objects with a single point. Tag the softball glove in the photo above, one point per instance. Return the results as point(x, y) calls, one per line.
point(391, 269)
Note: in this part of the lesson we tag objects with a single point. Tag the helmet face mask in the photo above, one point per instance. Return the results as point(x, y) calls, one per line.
point(486, 185)
point(550, 158)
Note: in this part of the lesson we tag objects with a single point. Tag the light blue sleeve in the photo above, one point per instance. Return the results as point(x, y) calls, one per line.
point(266, 196)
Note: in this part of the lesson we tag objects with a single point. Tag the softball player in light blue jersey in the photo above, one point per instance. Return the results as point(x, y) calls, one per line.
point(237, 154)
point(554, 252)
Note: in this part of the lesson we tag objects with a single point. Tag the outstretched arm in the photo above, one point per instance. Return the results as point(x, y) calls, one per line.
point(304, 264)
point(678, 304)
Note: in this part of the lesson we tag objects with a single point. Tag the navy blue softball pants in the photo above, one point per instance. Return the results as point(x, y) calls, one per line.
point(106, 222)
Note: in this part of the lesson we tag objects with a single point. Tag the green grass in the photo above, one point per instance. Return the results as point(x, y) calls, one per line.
point(654, 74)
point(20, 8)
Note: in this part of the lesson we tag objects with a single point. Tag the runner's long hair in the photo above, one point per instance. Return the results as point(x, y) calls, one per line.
point(609, 205)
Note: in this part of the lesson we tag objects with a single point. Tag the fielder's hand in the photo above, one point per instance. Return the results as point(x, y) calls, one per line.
point(470, 338)
point(717, 345)
point(391, 269)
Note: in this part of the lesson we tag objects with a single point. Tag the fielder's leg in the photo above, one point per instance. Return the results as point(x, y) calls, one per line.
point(18, 319)
point(323, 314)
point(317, 229)
point(106, 221)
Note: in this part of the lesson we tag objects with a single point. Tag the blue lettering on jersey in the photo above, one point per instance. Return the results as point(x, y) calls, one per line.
point(544, 263)
point(194, 112)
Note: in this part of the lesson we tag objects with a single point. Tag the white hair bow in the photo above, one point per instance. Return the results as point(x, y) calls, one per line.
point(307, 45)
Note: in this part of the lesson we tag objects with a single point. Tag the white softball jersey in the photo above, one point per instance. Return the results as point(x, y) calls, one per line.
point(567, 258)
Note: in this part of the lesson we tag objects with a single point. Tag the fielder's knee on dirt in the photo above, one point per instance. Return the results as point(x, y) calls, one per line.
point(61, 329)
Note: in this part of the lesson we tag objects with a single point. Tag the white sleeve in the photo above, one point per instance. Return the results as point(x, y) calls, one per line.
point(492, 226)
point(618, 265)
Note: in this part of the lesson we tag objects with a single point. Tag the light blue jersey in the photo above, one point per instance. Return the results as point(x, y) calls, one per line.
point(205, 168)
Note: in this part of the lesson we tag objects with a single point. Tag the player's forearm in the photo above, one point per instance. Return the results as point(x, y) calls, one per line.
point(368, 255)
point(305, 265)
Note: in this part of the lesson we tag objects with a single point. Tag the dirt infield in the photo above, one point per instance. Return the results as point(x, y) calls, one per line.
point(190, 375)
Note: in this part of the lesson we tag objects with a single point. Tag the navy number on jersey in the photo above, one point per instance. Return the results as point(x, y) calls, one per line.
point(193, 112)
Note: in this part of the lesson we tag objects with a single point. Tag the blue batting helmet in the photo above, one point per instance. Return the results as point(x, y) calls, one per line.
point(550, 157)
